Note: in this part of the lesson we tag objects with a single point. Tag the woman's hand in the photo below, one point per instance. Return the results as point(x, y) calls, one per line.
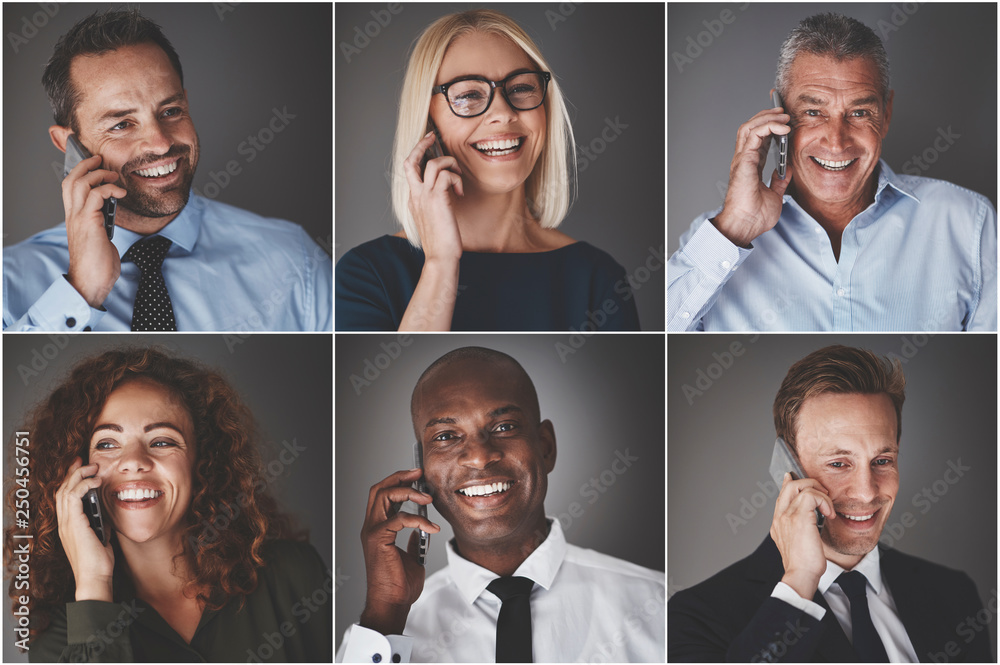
point(93, 564)
point(432, 205)
point(395, 577)
point(432, 201)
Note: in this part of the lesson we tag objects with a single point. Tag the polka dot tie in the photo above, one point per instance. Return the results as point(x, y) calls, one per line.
point(152, 310)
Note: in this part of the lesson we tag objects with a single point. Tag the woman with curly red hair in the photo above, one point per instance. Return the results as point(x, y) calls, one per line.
point(199, 564)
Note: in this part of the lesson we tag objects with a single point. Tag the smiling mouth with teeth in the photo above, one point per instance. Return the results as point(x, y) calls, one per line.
point(859, 518)
point(499, 148)
point(158, 171)
point(137, 495)
point(485, 490)
point(834, 166)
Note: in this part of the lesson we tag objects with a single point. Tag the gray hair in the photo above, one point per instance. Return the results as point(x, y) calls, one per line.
point(837, 36)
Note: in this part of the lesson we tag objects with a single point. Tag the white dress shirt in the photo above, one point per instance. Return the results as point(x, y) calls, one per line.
point(881, 606)
point(585, 606)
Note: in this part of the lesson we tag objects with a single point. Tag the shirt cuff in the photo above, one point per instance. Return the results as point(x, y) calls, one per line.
point(786, 593)
point(365, 645)
point(713, 253)
point(62, 309)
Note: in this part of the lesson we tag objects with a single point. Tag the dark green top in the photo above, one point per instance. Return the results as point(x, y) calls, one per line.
point(287, 618)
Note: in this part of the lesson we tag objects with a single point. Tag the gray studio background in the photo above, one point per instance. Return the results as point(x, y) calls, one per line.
point(283, 379)
point(240, 61)
point(942, 63)
point(606, 397)
point(608, 59)
point(720, 446)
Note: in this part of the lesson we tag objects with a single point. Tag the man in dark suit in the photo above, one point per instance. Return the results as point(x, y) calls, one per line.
point(831, 594)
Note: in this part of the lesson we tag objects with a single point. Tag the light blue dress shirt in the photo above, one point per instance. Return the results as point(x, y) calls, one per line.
point(227, 270)
point(922, 257)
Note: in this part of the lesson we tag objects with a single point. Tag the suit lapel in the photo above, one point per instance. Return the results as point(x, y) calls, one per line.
point(911, 605)
point(834, 646)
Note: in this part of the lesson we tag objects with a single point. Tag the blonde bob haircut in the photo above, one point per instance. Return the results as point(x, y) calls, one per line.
point(550, 186)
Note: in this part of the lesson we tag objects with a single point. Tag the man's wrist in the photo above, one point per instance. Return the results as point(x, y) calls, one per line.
point(725, 226)
point(803, 584)
point(383, 618)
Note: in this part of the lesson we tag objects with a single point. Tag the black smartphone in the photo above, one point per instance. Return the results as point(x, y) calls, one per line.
point(92, 508)
point(421, 486)
point(783, 460)
point(436, 150)
point(781, 140)
point(76, 153)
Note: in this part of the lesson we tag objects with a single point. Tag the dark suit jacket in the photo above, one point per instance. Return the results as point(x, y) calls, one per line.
point(732, 617)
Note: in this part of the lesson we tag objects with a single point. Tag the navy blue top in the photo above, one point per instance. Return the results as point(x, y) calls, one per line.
point(577, 287)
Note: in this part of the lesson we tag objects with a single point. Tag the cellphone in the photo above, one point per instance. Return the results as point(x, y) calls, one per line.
point(783, 460)
point(76, 153)
point(421, 486)
point(782, 140)
point(92, 507)
point(436, 150)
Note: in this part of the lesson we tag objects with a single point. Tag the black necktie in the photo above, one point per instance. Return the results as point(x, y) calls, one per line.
point(514, 622)
point(867, 644)
point(152, 309)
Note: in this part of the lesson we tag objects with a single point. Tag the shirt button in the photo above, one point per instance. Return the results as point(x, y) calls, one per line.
point(685, 315)
point(726, 264)
point(396, 658)
point(841, 292)
point(70, 322)
point(377, 658)
point(87, 329)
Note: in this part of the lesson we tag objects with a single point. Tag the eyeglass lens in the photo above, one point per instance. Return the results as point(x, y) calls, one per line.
point(524, 92)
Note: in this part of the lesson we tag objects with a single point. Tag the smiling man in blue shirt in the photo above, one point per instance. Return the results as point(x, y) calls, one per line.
point(115, 82)
point(842, 242)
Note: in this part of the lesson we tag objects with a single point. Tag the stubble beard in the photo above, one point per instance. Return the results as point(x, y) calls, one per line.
point(143, 202)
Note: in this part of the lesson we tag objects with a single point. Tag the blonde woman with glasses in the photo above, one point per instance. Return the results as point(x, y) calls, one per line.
point(483, 173)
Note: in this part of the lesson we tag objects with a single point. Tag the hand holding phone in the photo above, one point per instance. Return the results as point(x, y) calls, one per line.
point(394, 576)
point(435, 191)
point(76, 153)
point(796, 515)
point(435, 185)
point(89, 554)
point(87, 189)
point(753, 207)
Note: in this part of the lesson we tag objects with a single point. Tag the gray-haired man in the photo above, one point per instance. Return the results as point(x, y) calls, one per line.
point(841, 242)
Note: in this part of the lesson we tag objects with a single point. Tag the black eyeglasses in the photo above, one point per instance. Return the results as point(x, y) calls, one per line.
point(470, 96)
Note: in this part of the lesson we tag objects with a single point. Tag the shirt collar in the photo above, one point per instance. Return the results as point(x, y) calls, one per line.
point(870, 567)
point(182, 230)
point(886, 178)
point(541, 566)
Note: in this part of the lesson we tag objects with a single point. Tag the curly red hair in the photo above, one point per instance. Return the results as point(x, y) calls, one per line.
point(231, 514)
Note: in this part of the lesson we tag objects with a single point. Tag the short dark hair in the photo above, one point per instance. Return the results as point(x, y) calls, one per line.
point(841, 370)
point(95, 35)
point(479, 354)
